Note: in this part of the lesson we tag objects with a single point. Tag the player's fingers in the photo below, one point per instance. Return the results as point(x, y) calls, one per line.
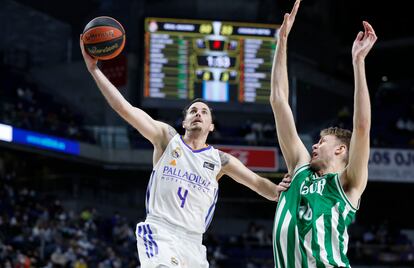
point(295, 9)
point(359, 36)
point(364, 23)
point(283, 27)
point(286, 17)
point(285, 184)
point(287, 177)
point(370, 29)
point(287, 180)
point(82, 47)
point(372, 39)
point(282, 189)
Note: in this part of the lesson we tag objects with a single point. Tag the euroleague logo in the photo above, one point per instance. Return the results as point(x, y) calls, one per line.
point(101, 35)
point(177, 152)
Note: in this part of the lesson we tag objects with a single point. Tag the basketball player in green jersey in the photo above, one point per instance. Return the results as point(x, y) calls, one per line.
point(312, 217)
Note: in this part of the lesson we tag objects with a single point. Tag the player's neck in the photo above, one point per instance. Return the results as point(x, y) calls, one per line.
point(332, 168)
point(196, 140)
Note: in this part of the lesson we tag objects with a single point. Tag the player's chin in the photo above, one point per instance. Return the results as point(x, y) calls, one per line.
point(196, 128)
point(315, 165)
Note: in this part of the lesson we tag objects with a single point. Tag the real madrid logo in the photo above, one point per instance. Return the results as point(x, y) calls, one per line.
point(177, 152)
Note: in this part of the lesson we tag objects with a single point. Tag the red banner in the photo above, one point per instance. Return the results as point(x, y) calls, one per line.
point(255, 158)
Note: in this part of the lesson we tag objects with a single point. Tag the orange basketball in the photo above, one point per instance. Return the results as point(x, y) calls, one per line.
point(103, 38)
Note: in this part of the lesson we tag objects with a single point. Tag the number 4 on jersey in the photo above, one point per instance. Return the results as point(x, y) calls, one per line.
point(182, 196)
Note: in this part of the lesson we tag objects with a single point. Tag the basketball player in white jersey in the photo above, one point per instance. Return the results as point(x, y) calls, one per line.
point(183, 188)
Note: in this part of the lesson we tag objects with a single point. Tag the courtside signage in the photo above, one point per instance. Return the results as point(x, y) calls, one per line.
point(45, 141)
point(255, 158)
point(392, 165)
point(6, 133)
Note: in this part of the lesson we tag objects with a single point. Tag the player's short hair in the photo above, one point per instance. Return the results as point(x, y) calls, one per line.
point(344, 136)
point(185, 110)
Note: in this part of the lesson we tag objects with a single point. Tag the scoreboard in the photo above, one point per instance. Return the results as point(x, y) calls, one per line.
point(221, 62)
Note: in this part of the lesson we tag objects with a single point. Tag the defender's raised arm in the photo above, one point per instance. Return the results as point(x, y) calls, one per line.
point(356, 175)
point(294, 151)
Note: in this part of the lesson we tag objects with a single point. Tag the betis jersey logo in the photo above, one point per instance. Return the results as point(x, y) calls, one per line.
point(316, 186)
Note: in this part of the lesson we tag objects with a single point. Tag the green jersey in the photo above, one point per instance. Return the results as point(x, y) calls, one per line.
point(311, 222)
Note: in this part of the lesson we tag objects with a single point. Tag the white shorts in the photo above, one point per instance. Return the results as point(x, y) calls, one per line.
point(164, 245)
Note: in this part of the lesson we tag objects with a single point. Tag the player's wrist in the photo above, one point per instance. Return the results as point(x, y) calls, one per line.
point(93, 68)
point(358, 60)
point(282, 41)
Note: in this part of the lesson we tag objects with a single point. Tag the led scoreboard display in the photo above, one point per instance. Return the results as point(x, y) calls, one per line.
point(222, 62)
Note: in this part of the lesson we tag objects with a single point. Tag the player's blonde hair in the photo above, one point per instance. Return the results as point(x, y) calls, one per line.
point(343, 135)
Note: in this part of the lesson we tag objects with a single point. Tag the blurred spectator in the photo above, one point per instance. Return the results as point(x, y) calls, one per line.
point(23, 105)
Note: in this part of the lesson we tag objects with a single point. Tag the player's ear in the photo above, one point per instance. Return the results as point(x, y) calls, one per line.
point(211, 128)
point(340, 149)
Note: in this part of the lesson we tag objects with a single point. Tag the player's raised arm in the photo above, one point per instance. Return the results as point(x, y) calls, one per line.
point(156, 132)
point(235, 169)
point(294, 151)
point(356, 173)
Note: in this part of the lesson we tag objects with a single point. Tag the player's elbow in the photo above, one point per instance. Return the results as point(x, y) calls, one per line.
point(276, 97)
point(119, 107)
point(122, 108)
point(362, 126)
point(272, 97)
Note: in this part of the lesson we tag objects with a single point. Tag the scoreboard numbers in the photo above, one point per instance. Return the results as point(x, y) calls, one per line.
point(223, 62)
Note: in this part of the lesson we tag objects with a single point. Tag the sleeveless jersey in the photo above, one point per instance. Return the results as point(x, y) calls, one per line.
point(183, 189)
point(311, 221)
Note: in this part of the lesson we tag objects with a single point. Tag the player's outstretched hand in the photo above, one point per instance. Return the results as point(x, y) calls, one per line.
point(90, 62)
point(363, 42)
point(288, 21)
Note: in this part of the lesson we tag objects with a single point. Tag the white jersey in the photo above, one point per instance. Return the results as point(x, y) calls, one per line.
point(183, 188)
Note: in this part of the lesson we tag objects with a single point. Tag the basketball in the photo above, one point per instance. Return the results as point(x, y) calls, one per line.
point(103, 38)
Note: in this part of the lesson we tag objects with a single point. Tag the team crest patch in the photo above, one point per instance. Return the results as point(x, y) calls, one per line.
point(174, 261)
point(208, 165)
point(177, 152)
